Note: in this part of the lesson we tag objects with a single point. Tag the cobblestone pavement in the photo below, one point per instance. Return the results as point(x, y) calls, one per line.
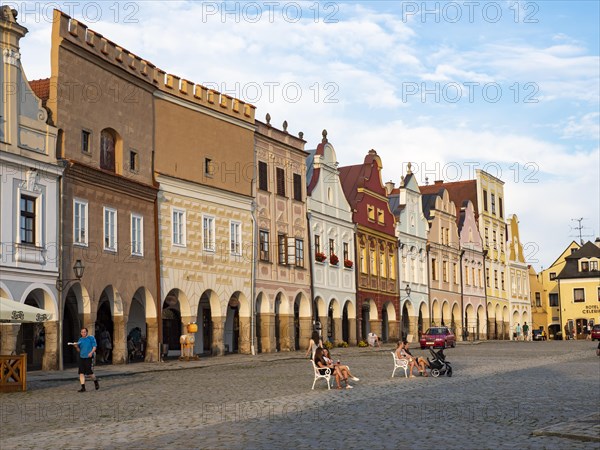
point(500, 393)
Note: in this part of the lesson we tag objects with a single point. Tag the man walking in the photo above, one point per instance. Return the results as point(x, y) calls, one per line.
point(86, 347)
point(525, 332)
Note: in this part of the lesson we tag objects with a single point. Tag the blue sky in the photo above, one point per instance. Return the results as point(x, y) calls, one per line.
point(510, 86)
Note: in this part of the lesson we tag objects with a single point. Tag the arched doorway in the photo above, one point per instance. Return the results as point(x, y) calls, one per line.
point(365, 320)
point(330, 324)
point(136, 328)
point(31, 338)
point(204, 337)
point(420, 324)
point(258, 322)
point(171, 321)
point(297, 324)
point(71, 329)
point(232, 325)
point(385, 329)
point(345, 324)
point(104, 330)
point(278, 300)
point(405, 322)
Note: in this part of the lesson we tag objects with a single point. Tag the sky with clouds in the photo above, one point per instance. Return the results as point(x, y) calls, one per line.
point(512, 87)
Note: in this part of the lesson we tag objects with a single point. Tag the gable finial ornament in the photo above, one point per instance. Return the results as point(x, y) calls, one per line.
point(408, 168)
point(426, 181)
point(285, 125)
point(301, 135)
point(324, 133)
point(268, 118)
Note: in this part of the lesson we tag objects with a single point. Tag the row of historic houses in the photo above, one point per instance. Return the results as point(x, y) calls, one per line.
point(176, 206)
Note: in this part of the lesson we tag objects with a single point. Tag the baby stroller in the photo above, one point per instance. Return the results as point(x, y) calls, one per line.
point(438, 365)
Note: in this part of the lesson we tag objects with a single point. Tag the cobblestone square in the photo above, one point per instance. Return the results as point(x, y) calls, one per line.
point(499, 395)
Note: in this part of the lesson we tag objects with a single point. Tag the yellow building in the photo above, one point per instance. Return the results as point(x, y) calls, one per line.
point(579, 290)
point(544, 294)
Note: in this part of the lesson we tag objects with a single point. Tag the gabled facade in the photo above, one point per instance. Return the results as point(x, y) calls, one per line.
point(411, 230)
point(518, 277)
point(282, 294)
point(204, 168)
point(444, 258)
point(472, 270)
point(376, 249)
point(108, 195)
point(544, 285)
point(332, 246)
point(579, 289)
point(29, 202)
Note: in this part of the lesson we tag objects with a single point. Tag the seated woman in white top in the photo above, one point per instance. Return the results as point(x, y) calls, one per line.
point(401, 354)
point(344, 370)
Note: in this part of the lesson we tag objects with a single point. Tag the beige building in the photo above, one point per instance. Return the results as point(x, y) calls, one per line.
point(283, 306)
point(518, 278)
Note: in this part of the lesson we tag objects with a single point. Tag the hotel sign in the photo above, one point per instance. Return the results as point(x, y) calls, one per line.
point(591, 309)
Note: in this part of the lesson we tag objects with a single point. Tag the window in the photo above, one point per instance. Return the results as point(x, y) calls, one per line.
point(373, 258)
point(474, 280)
point(552, 275)
point(485, 205)
point(235, 238)
point(280, 181)
point(380, 216)
point(494, 238)
point(208, 167)
point(208, 234)
point(298, 187)
point(392, 266)
point(85, 141)
point(317, 244)
point(346, 251)
point(496, 279)
point(538, 299)
point(137, 235)
point(263, 178)
point(599, 294)
point(500, 207)
point(493, 198)
point(382, 265)
point(487, 236)
point(282, 249)
point(455, 270)
point(299, 253)
point(467, 282)
point(445, 271)
point(502, 281)
point(487, 277)
point(447, 236)
point(481, 278)
point(585, 267)
point(264, 245)
point(110, 229)
point(27, 223)
point(363, 259)
point(133, 161)
point(553, 299)
point(371, 213)
point(80, 222)
point(331, 247)
point(107, 150)
point(502, 242)
point(178, 227)
point(434, 269)
point(578, 295)
point(593, 266)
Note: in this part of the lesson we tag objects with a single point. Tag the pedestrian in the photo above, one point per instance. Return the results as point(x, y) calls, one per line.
point(518, 332)
point(86, 346)
point(373, 340)
point(314, 343)
point(525, 332)
point(106, 344)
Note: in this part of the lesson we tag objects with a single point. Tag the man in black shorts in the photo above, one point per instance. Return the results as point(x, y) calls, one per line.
point(86, 347)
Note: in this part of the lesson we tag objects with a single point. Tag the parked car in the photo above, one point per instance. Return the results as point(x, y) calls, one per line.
point(596, 332)
point(438, 337)
point(538, 335)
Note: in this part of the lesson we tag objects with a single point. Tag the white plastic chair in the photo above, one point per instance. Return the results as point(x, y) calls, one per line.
point(400, 364)
point(326, 376)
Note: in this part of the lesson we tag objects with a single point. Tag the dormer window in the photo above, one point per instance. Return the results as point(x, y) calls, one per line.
point(371, 213)
point(585, 266)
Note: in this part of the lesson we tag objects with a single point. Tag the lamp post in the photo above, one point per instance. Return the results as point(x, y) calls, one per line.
point(61, 285)
point(408, 290)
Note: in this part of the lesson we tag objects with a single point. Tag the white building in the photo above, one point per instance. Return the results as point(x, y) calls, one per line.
point(519, 302)
point(411, 229)
point(29, 199)
point(332, 257)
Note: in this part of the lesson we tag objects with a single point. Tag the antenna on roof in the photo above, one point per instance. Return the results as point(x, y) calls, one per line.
point(580, 228)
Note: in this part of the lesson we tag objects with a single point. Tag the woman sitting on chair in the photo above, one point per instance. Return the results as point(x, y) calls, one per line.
point(421, 363)
point(344, 370)
point(322, 364)
point(402, 354)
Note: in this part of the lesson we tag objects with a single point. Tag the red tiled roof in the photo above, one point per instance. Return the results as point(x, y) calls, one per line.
point(459, 192)
point(41, 88)
point(351, 177)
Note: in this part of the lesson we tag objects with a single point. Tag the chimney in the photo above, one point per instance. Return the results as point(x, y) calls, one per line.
point(597, 242)
point(389, 186)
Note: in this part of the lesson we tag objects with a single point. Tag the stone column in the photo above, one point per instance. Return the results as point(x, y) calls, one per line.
point(323, 320)
point(152, 340)
point(267, 329)
point(352, 332)
point(305, 332)
point(286, 330)
point(119, 340)
point(337, 330)
point(490, 329)
point(8, 338)
point(50, 358)
point(218, 326)
point(244, 335)
point(413, 326)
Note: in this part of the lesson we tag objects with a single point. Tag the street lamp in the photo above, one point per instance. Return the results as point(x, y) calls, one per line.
point(408, 290)
point(61, 285)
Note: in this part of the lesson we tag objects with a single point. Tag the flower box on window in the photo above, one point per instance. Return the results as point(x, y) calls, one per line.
point(333, 259)
point(320, 256)
point(348, 264)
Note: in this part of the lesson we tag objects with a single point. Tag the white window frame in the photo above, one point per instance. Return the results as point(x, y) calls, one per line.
point(235, 238)
point(211, 245)
point(137, 250)
point(179, 239)
point(112, 230)
point(77, 238)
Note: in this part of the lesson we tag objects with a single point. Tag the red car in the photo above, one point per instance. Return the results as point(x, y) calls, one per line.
point(596, 332)
point(438, 337)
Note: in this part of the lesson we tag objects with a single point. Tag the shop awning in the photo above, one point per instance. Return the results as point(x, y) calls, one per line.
point(15, 312)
